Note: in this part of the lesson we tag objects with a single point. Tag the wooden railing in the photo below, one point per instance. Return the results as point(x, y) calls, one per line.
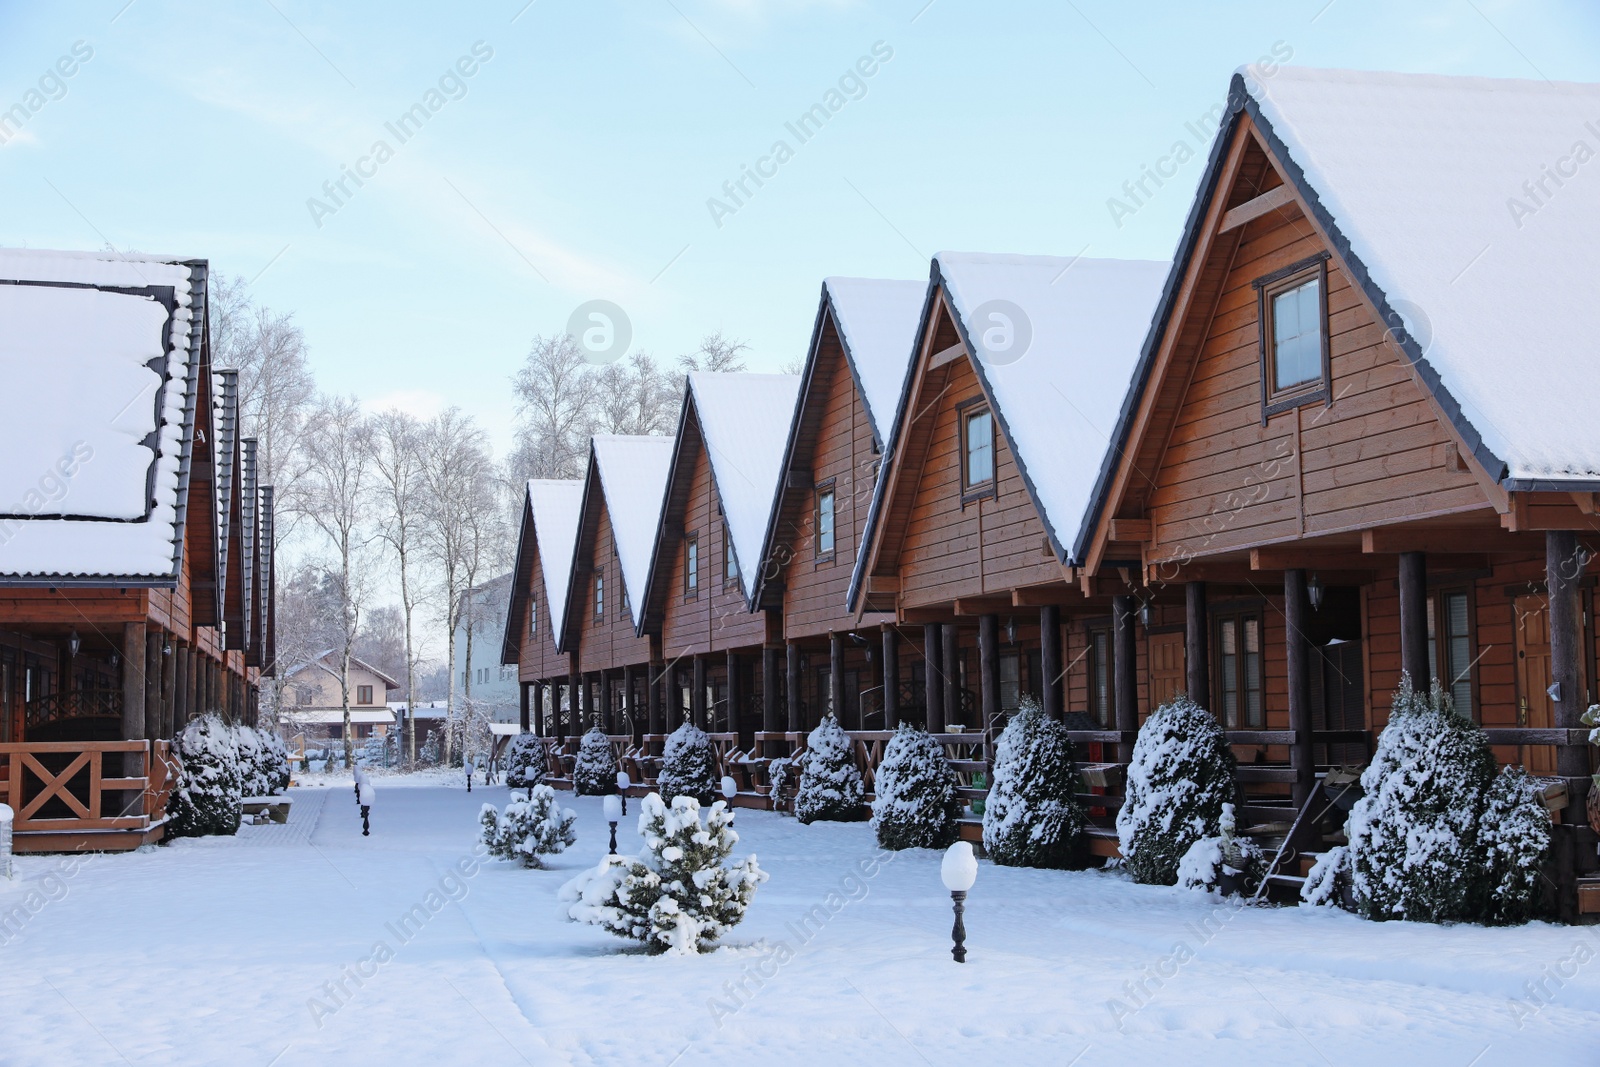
point(77, 704)
point(43, 778)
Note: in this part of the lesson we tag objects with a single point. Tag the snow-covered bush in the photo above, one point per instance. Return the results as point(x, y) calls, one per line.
point(1182, 773)
point(1213, 862)
point(525, 761)
point(263, 762)
point(917, 804)
point(276, 759)
point(678, 895)
point(207, 798)
point(1513, 837)
point(1328, 878)
point(430, 748)
point(528, 829)
point(1032, 817)
point(779, 772)
point(594, 772)
point(830, 784)
point(688, 767)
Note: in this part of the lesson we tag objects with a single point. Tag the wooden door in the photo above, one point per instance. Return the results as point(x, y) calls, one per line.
point(1533, 680)
point(1166, 660)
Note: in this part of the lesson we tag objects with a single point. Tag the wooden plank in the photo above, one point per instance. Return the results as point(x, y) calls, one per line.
point(1272, 200)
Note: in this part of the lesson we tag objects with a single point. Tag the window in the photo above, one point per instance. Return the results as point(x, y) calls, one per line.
point(1294, 335)
point(624, 611)
point(599, 597)
point(825, 541)
point(977, 446)
point(1100, 690)
point(1450, 632)
point(691, 565)
point(363, 694)
point(730, 557)
point(533, 617)
point(1239, 669)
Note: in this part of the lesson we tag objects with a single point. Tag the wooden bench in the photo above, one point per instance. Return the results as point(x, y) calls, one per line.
point(275, 808)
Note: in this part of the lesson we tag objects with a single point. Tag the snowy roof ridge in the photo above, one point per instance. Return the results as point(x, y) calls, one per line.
point(633, 472)
point(744, 421)
point(555, 504)
point(877, 320)
point(1437, 192)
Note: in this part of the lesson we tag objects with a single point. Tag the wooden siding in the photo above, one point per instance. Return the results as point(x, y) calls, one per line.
point(607, 643)
point(537, 658)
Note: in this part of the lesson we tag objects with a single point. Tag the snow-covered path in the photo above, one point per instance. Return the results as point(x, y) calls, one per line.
point(234, 951)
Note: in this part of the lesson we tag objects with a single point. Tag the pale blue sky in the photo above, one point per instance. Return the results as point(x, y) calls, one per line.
point(579, 161)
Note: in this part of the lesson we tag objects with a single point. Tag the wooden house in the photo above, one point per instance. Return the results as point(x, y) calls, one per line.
point(135, 545)
point(616, 532)
point(700, 588)
point(861, 347)
point(1360, 438)
point(534, 619)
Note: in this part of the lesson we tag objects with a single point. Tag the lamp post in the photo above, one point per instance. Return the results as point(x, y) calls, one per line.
point(359, 779)
point(623, 784)
point(730, 788)
point(612, 805)
point(368, 797)
point(959, 869)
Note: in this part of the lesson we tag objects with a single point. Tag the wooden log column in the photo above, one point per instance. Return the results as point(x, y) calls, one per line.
point(574, 696)
point(169, 687)
point(524, 708)
point(950, 668)
point(698, 712)
point(792, 683)
point(1564, 566)
point(836, 701)
point(1125, 668)
point(630, 705)
point(736, 717)
point(1050, 662)
point(536, 700)
point(1414, 619)
point(989, 674)
point(933, 677)
point(608, 700)
point(771, 690)
point(1196, 644)
point(152, 685)
point(891, 678)
point(180, 689)
point(1298, 664)
point(133, 685)
point(652, 699)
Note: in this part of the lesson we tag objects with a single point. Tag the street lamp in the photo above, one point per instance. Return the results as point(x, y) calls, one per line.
point(959, 870)
point(612, 805)
point(368, 796)
point(624, 783)
point(359, 777)
point(730, 788)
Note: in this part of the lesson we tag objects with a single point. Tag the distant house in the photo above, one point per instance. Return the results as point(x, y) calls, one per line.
point(479, 673)
point(314, 705)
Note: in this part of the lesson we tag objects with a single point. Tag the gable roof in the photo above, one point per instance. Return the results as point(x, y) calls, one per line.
point(630, 471)
point(319, 661)
point(1052, 341)
point(550, 514)
point(102, 355)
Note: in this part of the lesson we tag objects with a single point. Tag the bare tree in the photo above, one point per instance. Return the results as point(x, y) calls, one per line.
point(716, 353)
point(636, 397)
point(337, 491)
point(397, 460)
point(555, 393)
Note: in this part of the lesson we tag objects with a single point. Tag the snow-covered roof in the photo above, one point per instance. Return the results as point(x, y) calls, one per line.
point(1468, 205)
point(633, 474)
point(744, 420)
point(327, 662)
point(877, 320)
point(1057, 391)
point(555, 504)
point(100, 353)
point(328, 716)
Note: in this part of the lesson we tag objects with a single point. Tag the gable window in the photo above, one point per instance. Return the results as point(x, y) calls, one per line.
point(825, 510)
point(1450, 645)
point(1238, 643)
point(533, 617)
point(363, 694)
point(691, 565)
point(1294, 335)
point(977, 449)
point(1100, 693)
point(624, 610)
point(599, 597)
point(730, 557)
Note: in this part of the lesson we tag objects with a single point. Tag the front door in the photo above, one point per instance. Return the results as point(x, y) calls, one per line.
point(1533, 680)
point(1167, 670)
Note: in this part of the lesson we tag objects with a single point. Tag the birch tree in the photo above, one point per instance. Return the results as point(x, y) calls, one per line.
point(555, 395)
point(397, 460)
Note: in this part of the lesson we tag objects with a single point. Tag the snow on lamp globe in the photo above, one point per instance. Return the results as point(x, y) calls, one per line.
point(730, 788)
point(959, 869)
point(612, 805)
point(623, 785)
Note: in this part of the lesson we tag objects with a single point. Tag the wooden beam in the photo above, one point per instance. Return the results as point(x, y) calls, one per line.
point(1283, 557)
point(882, 585)
point(1544, 511)
point(1273, 199)
point(982, 605)
point(1135, 531)
point(1444, 540)
point(1053, 595)
point(1564, 564)
point(948, 355)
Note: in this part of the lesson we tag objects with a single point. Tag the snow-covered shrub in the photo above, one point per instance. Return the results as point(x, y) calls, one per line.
point(1513, 837)
point(525, 761)
point(430, 748)
point(678, 895)
point(688, 767)
point(779, 772)
point(207, 798)
point(1182, 773)
point(830, 784)
point(252, 762)
point(275, 757)
point(1328, 877)
point(1211, 860)
point(594, 772)
point(917, 804)
point(528, 829)
point(1032, 817)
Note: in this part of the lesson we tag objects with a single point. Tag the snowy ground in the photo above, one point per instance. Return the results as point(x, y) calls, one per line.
point(220, 951)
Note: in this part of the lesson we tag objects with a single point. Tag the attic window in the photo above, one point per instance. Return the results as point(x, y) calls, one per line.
point(730, 558)
point(599, 597)
point(825, 512)
point(977, 449)
point(533, 617)
point(1294, 336)
point(691, 566)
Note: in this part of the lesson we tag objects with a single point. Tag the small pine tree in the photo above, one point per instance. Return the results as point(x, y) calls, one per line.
point(528, 829)
point(525, 761)
point(208, 798)
point(1513, 837)
point(917, 804)
point(688, 766)
point(677, 895)
point(1182, 773)
point(594, 772)
point(1032, 817)
point(830, 784)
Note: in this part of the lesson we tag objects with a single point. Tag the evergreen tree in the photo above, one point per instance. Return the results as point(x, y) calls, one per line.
point(594, 772)
point(528, 829)
point(917, 804)
point(208, 797)
point(525, 761)
point(830, 784)
point(1032, 817)
point(677, 895)
point(688, 766)
point(1513, 837)
point(1181, 775)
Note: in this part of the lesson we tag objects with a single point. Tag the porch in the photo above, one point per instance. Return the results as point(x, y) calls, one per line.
point(88, 796)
